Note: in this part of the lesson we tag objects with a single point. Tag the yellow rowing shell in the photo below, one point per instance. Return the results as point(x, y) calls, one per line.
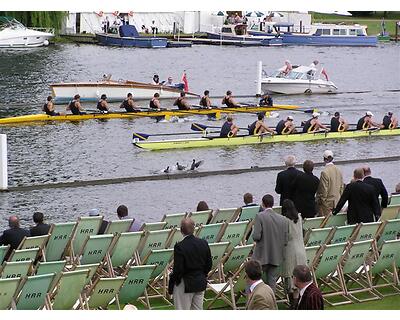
point(163, 113)
point(252, 140)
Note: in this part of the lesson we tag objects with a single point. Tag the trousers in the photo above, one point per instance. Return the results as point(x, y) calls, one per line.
point(270, 275)
point(187, 301)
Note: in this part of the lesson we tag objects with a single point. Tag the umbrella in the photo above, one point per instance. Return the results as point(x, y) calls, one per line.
point(220, 13)
point(274, 14)
point(257, 14)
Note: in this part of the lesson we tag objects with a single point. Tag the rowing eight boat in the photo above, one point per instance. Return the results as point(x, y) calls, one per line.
point(259, 139)
point(216, 112)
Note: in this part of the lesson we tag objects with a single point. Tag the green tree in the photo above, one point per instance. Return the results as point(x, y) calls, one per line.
point(45, 19)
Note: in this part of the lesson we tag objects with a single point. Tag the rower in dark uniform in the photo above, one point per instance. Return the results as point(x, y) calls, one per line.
point(229, 129)
point(389, 121)
point(181, 102)
point(258, 126)
point(155, 102)
point(228, 100)
point(75, 106)
point(366, 122)
point(205, 101)
point(286, 126)
point(266, 100)
point(102, 104)
point(48, 107)
point(128, 104)
point(313, 124)
point(338, 124)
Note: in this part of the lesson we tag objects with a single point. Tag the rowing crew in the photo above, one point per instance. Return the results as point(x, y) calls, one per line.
point(287, 126)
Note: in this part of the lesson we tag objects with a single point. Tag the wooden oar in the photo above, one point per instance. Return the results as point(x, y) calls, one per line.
point(145, 136)
point(202, 127)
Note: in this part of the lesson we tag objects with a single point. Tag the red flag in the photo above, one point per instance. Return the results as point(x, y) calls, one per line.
point(325, 74)
point(185, 82)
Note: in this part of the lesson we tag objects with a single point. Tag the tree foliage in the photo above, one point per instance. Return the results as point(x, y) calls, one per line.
point(45, 19)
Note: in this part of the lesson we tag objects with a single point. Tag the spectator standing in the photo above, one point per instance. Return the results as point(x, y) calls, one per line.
point(295, 253)
point(271, 236)
point(310, 295)
point(192, 263)
point(261, 296)
point(41, 228)
point(305, 186)
point(363, 204)
point(330, 186)
point(14, 235)
point(104, 223)
point(154, 29)
point(122, 213)
point(379, 187)
point(284, 180)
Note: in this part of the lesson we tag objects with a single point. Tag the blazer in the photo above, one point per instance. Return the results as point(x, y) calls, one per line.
point(311, 299)
point(330, 186)
point(103, 227)
point(262, 298)
point(40, 229)
point(284, 181)
point(13, 237)
point(271, 236)
point(363, 203)
point(380, 189)
point(304, 188)
point(192, 263)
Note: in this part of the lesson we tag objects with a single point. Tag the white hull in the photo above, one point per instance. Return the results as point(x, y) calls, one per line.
point(23, 38)
point(287, 86)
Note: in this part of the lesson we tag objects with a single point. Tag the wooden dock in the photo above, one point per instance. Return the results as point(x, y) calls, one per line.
point(223, 42)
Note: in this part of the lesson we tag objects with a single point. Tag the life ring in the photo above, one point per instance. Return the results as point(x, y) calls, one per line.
point(100, 13)
point(116, 13)
point(130, 13)
point(308, 91)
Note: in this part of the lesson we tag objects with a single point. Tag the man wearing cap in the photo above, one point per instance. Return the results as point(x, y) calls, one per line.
point(389, 121)
point(102, 104)
point(313, 124)
point(104, 223)
point(330, 187)
point(366, 122)
point(258, 126)
point(338, 124)
point(182, 103)
point(286, 126)
point(229, 129)
point(229, 101)
point(75, 106)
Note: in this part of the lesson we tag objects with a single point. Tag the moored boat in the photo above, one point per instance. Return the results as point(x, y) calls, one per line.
point(214, 141)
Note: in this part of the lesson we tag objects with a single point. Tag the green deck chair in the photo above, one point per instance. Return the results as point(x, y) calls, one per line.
point(176, 237)
point(211, 232)
point(329, 260)
point(367, 231)
point(92, 270)
point(60, 237)
point(125, 248)
point(68, 290)
point(153, 226)
point(119, 226)
point(343, 234)
point(200, 217)
point(95, 249)
point(313, 253)
point(337, 220)
point(3, 252)
point(34, 291)
point(277, 209)
point(313, 223)
point(154, 240)
point(33, 242)
point(8, 288)
point(136, 283)
point(319, 236)
point(173, 220)
point(394, 200)
point(50, 267)
point(86, 226)
point(225, 215)
point(103, 291)
point(234, 233)
point(159, 258)
point(249, 213)
point(232, 262)
point(217, 252)
point(24, 255)
point(15, 269)
point(390, 213)
point(390, 231)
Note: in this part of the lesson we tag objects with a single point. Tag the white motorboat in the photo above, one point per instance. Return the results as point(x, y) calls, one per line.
point(14, 34)
point(299, 80)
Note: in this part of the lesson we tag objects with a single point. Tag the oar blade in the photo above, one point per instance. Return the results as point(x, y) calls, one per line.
point(140, 136)
point(198, 127)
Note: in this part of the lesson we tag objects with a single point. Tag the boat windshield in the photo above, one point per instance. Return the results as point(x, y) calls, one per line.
point(8, 22)
point(293, 75)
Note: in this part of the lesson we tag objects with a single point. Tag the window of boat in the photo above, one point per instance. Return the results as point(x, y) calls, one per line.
point(336, 32)
point(360, 32)
point(226, 30)
point(294, 75)
point(318, 32)
point(343, 32)
point(352, 32)
point(326, 32)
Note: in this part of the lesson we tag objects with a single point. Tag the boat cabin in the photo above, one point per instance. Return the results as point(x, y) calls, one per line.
point(335, 30)
point(297, 73)
point(234, 29)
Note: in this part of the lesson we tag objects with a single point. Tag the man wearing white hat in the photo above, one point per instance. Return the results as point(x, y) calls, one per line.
point(286, 126)
point(313, 124)
point(366, 122)
point(330, 187)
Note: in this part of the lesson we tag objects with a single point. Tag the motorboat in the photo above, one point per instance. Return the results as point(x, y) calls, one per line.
point(299, 80)
point(14, 34)
point(239, 32)
point(319, 34)
point(116, 90)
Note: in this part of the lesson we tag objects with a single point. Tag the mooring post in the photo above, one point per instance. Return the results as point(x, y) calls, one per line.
point(259, 76)
point(3, 162)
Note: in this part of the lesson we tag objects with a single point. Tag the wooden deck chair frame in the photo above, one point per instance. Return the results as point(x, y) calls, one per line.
point(390, 212)
point(225, 215)
point(344, 233)
point(235, 233)
point(80, 258)
point(366, 231)
point(200, 217)
point(35, 242)
point(59, 239)
point(319, 236)
point(248, 213)
point(337, 220)
point(232, 261)
point(25, 266)
point(8, 291)
point(218, 250)
point(119, 226)
point(389, 230)
point(394, 200)
point(3, 252)
point(313, 254)
point(211, 237)
point(95, 271)
point(313, 223)
point(85, 227)
point(24, 255)
point(50, 267)
point(173, 220)
point(153, 226)
point(154, 240)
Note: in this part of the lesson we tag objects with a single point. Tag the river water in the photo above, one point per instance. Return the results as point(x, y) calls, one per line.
point(45, 153)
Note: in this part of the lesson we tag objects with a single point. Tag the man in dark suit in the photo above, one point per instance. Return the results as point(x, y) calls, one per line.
point(14, 235)
point(284, 180)
point(192, 263)
point(310, 296)
point(380, 189)
point(363, 203)
point(41, 228)
point(305, 186)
